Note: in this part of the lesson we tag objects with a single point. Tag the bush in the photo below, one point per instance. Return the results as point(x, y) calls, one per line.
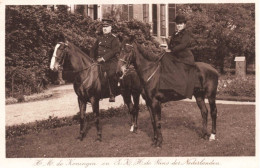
point(230, 85)
point(29, 48)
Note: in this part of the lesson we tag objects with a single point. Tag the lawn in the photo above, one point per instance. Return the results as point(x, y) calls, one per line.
point(181, 129)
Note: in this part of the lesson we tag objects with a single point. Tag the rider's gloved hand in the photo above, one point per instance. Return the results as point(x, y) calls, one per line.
point(100, 60)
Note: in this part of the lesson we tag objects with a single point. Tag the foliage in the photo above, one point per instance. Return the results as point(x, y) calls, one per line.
point(29, 48)
point(31, 33)
point(28, 98)
point(223, 28)
point(80, 9)
point(140, 31)
point(232, 86)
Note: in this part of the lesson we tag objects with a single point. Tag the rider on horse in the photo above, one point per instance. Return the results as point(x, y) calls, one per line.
point(105, 51)
point(179, 72)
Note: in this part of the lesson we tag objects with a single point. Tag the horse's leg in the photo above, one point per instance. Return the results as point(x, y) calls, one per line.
point(95, 106)
point(136, 98)
point(156, 107)
point(127, 100)
point(152, 116)
point(213, 112)
point(200, 99)
point(83, 123)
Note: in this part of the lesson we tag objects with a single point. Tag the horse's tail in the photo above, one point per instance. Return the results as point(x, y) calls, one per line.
point(207, 69)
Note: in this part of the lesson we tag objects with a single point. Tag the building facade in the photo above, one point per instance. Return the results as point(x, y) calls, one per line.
point(159, 16)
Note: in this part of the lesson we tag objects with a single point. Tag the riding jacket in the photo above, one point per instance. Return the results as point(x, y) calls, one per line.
point(180, 44)
point(106, 46)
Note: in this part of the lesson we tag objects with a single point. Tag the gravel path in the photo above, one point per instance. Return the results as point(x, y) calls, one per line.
point(63, 103)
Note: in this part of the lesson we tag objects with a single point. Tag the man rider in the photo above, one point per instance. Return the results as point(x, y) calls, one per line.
point(105, 51)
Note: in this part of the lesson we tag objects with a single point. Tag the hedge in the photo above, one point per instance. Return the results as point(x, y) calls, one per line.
point(31, 34)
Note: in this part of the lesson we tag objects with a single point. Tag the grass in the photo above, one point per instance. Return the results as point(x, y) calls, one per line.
point(181, 128)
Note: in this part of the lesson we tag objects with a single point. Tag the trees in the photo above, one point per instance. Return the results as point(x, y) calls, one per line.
point(219, 29)
point(30, 38)
point(31, 33)
point(228, 29)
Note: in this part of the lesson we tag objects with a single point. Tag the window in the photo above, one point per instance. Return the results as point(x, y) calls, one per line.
point(163, 19)
point(125, 14)
point(154, 11)
point(172, 15)
point(95, 12)
point(146, 13)
point(131, 11)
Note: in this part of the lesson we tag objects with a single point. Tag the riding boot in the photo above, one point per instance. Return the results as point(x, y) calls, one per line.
point(112, 96)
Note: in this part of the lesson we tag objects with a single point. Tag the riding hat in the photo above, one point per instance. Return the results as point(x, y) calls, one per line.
point(180, 19)
point(107, 22)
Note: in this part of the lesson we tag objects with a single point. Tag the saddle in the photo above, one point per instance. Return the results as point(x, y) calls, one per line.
point(177, 76)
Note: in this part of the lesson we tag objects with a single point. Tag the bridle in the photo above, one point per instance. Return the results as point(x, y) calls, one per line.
point(61, 58)
point(126, 63)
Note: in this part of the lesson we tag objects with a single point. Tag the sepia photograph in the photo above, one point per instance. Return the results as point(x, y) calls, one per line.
point(129, 84)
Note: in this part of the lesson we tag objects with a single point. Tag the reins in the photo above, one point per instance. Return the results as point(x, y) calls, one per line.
point(151, 65)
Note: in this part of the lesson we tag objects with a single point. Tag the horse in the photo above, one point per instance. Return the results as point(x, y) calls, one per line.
point(131, 87)
point(148, 70)
point(90, 84)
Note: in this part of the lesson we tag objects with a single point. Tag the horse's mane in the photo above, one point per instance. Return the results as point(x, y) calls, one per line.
point(77, 50)
point(147, 54)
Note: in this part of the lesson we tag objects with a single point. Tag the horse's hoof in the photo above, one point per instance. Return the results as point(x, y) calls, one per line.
point(82, 137)
point(135, 130)
point(79, 137)
point(154, 144)
point(205, 136)
point(212, 137)
point(99, 138)
point(159, 145)
point(132, 128)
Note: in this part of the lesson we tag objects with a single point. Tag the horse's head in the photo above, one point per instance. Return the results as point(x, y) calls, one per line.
point(125, 56)
point(58, 56)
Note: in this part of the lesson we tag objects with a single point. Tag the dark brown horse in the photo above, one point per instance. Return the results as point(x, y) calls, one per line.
point(131, 87)
point(90, 83)
point(148, 70)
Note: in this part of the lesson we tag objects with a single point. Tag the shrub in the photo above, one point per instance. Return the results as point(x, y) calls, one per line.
point(232, 86)
point(29, 48)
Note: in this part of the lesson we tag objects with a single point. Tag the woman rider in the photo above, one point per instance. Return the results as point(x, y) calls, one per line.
point(180, 73)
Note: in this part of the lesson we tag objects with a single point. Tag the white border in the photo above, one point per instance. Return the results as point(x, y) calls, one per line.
point(226, 162)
